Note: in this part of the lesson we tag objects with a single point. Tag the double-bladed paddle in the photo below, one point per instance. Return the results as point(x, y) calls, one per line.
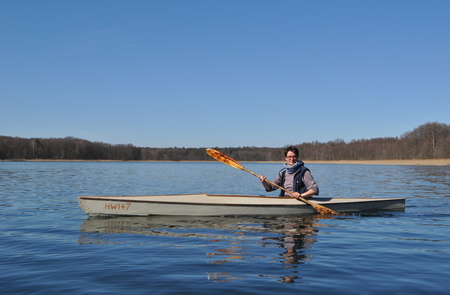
point(235, 164)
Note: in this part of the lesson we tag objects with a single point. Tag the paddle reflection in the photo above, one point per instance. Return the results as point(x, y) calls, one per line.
point(283, 240)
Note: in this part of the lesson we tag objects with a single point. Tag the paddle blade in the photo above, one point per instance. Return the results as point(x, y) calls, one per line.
point(324, 210)
point(224, 159)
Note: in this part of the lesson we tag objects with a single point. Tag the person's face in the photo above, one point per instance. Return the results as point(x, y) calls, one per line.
point(291, 158)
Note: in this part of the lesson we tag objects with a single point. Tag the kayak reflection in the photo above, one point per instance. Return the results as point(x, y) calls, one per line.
point(228, 239)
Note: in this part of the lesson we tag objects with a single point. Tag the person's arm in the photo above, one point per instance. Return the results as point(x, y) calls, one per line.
point(305, 195)
point(311, 186)
point(267, 185)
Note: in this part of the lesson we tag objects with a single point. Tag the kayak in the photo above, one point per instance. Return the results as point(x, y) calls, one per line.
point(226, 205)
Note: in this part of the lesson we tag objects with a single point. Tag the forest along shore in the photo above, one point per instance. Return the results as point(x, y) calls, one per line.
point(409, 162)
point(428, 141)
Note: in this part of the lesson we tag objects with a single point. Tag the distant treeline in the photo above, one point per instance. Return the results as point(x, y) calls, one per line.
point(428, 141)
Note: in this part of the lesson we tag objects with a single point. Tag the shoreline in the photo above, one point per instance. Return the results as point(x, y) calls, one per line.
point(409, 162)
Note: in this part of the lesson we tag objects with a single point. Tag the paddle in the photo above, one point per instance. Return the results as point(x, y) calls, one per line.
point(235, 164)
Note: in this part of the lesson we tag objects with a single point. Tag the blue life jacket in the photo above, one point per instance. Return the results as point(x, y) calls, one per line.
point(299, 186)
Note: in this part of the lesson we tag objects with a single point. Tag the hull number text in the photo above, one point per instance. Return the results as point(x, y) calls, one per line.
point(117, 206)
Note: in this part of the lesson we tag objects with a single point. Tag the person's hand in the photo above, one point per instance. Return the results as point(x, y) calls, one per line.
point(262, 178)
point(295, 195)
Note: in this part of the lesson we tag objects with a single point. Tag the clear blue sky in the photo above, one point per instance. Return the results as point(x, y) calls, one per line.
point(222, 73)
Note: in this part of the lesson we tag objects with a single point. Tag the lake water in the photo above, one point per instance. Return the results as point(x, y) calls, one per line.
point(50, 246)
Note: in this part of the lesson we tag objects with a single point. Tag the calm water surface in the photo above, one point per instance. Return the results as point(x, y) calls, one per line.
point(49, 246)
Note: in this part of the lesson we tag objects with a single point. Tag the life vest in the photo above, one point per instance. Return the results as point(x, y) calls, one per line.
point(299, 186)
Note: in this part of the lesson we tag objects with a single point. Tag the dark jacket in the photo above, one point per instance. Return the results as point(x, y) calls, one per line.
point(299, 186)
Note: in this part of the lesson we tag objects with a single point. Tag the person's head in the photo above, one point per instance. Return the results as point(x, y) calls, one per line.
point(291, 155)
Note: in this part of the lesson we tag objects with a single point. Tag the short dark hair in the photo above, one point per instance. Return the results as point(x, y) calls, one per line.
point(291, 148)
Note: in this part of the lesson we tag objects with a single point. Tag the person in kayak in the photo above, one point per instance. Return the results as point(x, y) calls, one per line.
point(294, 177)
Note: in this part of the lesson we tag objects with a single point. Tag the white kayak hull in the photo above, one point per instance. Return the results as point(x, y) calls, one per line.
point(225, 205)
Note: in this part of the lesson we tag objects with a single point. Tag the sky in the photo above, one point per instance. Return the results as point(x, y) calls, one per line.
point(222, 73)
